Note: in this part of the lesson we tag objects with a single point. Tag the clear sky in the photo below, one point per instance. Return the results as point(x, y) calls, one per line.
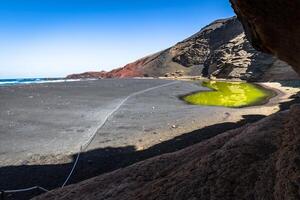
point(53, 38)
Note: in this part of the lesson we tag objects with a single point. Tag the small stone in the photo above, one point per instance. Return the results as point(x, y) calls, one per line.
point(24, 162)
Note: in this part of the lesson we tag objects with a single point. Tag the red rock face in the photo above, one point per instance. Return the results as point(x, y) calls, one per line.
point(272, 26)
point(129, 70)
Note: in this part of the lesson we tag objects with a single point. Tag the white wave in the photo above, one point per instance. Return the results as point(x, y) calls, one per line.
point(38, 81)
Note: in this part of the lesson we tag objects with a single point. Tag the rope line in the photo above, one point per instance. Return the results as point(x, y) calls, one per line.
point(85, 146)
point(26, 189)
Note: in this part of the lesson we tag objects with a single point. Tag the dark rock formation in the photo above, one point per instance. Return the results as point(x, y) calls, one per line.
point(87, 75)
point(272, 26)
point(258, 161)
point(220, 50)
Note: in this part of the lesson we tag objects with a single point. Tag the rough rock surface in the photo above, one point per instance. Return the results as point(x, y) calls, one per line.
point(258, 161)
point(237, 59)
point(87, 75)
point(272, 26)
point(219, 49)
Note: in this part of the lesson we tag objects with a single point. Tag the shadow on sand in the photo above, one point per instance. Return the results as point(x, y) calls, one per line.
point(103, 160)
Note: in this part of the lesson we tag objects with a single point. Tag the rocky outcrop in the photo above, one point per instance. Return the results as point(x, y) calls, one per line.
point(219, 50)
point(87, 75)
point(272, 27)
point(257, 161)
point(237, 59)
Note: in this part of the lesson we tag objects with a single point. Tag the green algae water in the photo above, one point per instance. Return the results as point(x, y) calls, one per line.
point(230, 94)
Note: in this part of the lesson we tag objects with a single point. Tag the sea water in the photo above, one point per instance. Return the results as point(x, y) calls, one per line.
point(4, 82)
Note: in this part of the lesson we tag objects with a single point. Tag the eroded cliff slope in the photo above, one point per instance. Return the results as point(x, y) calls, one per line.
point(220, 50)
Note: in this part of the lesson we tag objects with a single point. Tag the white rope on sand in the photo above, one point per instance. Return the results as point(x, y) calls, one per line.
point(84, 146)
point(26, 189)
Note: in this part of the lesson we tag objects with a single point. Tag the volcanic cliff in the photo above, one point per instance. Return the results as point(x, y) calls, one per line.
point(219, 50)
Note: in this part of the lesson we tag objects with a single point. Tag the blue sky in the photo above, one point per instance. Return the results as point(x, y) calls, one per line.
point(53, 38)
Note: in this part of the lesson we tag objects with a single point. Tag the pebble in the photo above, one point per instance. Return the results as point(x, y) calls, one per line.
point(174, 126)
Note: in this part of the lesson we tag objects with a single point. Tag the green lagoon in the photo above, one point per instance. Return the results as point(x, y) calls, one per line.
point(230, 94)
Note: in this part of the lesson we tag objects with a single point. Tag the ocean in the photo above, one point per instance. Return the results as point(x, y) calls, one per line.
point(19, 81)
